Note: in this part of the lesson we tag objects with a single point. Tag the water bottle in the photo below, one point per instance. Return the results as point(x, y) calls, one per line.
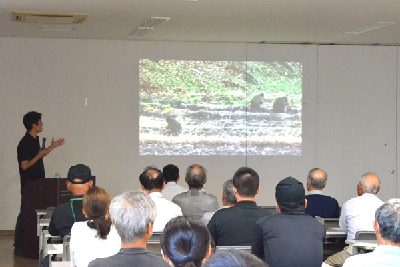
point(57, 176)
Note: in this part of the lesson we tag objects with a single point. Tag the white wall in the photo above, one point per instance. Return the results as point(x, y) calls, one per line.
point(357, 91)
point(349, 112)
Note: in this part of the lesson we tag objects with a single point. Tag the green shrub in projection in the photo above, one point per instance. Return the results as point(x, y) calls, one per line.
point(228, 78)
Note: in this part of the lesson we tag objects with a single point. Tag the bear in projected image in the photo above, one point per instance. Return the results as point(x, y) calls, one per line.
point(256, 102)
point(280, 105)
point(174, 126)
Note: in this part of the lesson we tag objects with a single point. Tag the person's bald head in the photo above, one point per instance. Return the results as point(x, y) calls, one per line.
point(196, 176)
point(369, 183)
point(152, 179)
point(316, 179)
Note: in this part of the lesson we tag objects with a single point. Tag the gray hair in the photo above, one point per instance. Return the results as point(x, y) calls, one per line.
point(316, 182)
point(388, 218)
point(196, 176)
point(131, 213)
point(368, 187)
point(227, 189)
point(234, 257)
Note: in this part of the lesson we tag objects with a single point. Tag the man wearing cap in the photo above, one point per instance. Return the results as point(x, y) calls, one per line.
point(230, 227)
point(65, 215)
point(289, 238)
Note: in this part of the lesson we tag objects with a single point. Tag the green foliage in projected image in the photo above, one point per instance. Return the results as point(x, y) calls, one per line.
point(223, 82)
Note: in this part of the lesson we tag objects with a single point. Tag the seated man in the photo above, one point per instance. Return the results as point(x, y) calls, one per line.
point(318, 204)
point(171, 176)
point(132, 214)
point(230, 227)
point(66, 214)
point(387, 230)
point(152, 180)
point(228, 200)
point(196, 201)
point(358, 215)
point(289, 238)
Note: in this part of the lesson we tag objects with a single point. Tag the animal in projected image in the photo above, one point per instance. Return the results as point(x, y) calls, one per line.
point(256, 102)
point(173, 126)
point(280, 105)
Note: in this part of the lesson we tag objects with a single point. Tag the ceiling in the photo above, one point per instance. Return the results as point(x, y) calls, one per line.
point(237, 21)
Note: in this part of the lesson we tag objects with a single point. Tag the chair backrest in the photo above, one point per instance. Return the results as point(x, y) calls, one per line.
point(50, 212)
point(155, 238)
point(365, 235)
point(153, 244)
point(331, 222)
point(66, 252)
point(272, 209)
point(242, 248)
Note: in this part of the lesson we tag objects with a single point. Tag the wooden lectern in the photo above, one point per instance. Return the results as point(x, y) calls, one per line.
point(40, 194)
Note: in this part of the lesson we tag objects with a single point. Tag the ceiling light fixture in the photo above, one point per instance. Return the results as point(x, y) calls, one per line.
point(147, 25)
point(48, 18)
point(59, 28)
point(361, 30)
point(371, 27)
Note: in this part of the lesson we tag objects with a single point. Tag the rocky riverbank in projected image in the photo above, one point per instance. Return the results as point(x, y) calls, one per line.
point(220, 108)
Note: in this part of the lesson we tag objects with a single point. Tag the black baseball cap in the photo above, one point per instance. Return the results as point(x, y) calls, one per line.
point(79, 171)
point(289, 190)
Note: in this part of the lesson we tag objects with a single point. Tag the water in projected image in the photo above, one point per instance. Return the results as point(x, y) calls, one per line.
point(220, 107)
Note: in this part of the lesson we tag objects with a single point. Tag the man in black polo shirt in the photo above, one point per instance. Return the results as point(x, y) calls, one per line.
point(233, 226)
point(31, 168)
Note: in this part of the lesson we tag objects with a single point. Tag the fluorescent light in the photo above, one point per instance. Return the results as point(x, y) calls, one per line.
point(371, 27)
point(147, 25)
point(60, 28)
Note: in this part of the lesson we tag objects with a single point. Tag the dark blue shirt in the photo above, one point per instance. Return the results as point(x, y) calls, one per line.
point(322, 206)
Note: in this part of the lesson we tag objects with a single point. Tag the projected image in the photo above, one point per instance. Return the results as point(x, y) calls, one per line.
point(220, 107)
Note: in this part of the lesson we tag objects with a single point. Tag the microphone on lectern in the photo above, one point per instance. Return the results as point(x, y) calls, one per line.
point(44, 143)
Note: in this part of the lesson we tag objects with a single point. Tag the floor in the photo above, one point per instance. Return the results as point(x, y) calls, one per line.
point(6, 253)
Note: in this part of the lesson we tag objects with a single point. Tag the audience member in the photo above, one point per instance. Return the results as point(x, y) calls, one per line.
point(185, 242)
point(152, 180)
point(95, 238)
point(229, 227)
point(289, 238)
point(318, 204)
point(196, 201)
point(233, 258)
point(171, 176)
point(65, 215)
point(132, 214)
point(358, 215)
point(387, 230)
point(228, 200)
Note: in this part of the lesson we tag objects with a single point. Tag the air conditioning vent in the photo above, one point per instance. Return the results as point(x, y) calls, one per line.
point(49, 18)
